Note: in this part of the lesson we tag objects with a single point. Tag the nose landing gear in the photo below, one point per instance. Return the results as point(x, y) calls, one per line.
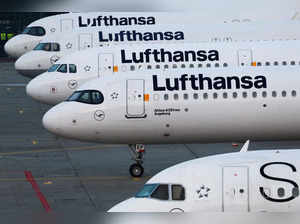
point(138, 151)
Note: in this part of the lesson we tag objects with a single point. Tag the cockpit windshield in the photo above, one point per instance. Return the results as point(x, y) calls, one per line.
point(53, 68)
point(53, 47)
point(164, 192)
point(146, 191)
point(34, 31)
point(87, 96)
point(63, 68)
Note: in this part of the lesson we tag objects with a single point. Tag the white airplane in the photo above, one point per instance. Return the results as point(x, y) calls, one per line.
point(70, 72)
point(257, 181)
point(50, 50)
point(75, 22)
point(182, 106)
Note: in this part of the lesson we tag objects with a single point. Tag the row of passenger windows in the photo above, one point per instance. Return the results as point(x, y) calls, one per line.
point(275, 63)
point(226, 95)
point(210, 65)
point(175, 66)
point(162, 192)
point(63, 68)
point(52, 47)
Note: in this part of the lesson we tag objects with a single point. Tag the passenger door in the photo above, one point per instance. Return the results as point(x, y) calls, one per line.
point(236, 189)
point(66, 25)
point(135, 98)
point(244, 58)
point(105, 64)
point(85, 41)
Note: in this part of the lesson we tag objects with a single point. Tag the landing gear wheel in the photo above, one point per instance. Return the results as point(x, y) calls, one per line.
point(136, 170)
point(137, 151)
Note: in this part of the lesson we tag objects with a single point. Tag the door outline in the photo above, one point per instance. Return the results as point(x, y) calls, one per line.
point(241, 57)
point(136, 116)
point(66, 20)
point(111, 57)
point(223, 182)
point(91, 40)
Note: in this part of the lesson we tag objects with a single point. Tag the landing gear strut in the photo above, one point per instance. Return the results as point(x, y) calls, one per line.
point(138, 151)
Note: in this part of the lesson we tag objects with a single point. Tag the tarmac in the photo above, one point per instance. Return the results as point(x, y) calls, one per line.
point(42, 172)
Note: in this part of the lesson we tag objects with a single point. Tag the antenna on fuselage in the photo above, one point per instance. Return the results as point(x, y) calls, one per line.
point(245, 146)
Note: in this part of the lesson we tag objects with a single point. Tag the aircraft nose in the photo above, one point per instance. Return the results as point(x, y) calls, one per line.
point(24, 66)
point(9, 49)
point(129, 205)
point(51, 121)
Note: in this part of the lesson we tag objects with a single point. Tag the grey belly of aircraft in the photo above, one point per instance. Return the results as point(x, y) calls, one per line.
point(71, 175)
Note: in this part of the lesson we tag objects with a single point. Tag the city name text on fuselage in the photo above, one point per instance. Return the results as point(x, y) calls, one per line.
point(162, 55)
point(140, 36)
point(115, 21)
point(201, 82)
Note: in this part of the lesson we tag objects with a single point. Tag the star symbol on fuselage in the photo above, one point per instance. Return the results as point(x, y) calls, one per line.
point(203, 191)
point(87, 68)
point(68, 45)
point(114, 96)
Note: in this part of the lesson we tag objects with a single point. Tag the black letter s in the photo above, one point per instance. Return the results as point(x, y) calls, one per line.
point(262, 172)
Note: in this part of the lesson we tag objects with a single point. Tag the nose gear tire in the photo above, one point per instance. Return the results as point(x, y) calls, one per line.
point(136, 170)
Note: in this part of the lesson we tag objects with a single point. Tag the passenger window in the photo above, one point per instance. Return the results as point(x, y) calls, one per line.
point(191, 65)
point(293, 62)
point(264, 94)
point(166, 96)
point(161, 192)
point(176, 97)
point(276, 63)
point(254, 94)
point(245, 94)
point(267, 63)
point(166, 67)
point(196, 96)
point(217, 65)
point(178, 193)
point(149, 67)
point(208, 65)
point(183, 66)
point(63, 68)
point(132, 68)
point(215, 95)
point(225, 95)
point(157, 66)
point(274, 93)
point(283, 93)
point(258, 63)
point(205, 96)
point(225, 65)
point(186, 96)
point(199, 65)
point(284, 63)
point(281, 192)
point(294, 93)
point(234, 95)
point(174, 66)
point(72, 68)
point(295, 192)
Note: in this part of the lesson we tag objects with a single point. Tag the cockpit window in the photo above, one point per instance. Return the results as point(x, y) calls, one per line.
point(72, 68)
point(87, 96)
point(161, 192)
point(53, 47)
point(178, 193)
point(35, 31)
point(146, 191)
point(53, 68)
point(63, 68)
